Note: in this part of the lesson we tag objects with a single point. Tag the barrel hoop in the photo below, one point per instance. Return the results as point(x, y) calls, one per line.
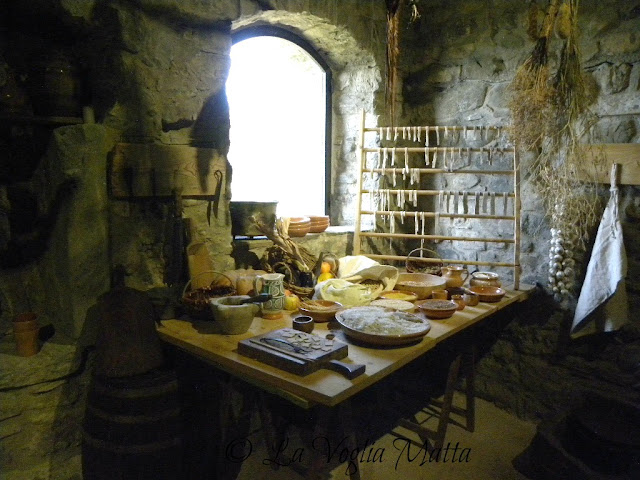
point(131, 449)
point(135, 392)
point(133, 419)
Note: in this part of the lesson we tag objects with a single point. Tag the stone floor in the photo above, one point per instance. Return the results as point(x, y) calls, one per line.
point(483, 455)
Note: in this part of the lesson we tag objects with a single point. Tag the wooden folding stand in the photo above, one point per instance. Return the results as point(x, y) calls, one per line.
point(461, 368)
point(416, 158)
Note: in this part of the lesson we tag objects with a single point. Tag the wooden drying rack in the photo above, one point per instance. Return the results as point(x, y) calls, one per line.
point(431, 153)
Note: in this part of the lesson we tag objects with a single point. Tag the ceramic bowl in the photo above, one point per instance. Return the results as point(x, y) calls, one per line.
point(471, 298)
point(437, 309)
point(318, 227)
point(298, 232)
point(299, 226)
point(320, 310)
point(303, 323)
point(488, 294)
point(399, 295)
point(296, 221)
point(233, 316)
point(319, 223)
point(455, 291)
point(421, 284)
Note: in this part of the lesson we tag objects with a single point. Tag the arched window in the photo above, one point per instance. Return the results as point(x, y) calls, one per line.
point(279, 103)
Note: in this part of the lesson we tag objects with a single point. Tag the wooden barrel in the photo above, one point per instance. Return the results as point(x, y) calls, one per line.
point(133, 428)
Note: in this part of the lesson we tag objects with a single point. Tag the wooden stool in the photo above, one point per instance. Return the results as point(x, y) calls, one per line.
point(462, 367)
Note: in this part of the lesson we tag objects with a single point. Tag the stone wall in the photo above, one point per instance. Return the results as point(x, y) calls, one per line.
point(42, 397)
point(457, 65)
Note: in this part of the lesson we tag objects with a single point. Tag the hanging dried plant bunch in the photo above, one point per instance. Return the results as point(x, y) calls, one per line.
point(531, 93)
point(551, 117)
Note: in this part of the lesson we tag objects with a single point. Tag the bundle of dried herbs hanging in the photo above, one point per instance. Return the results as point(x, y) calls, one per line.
point(551, 116)
point(530, 101)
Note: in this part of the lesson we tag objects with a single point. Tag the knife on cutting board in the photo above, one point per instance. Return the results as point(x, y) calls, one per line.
point(293, 358)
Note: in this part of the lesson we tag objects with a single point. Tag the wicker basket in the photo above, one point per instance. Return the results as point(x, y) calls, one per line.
point(196, 302)
point(417, 262)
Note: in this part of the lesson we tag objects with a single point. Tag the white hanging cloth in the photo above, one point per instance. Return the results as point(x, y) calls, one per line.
point(604, 284)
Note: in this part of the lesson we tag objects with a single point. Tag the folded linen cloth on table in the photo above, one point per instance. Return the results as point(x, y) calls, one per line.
point(357, 268)
point(602, 305)
point(361, 281)
point(346, 293)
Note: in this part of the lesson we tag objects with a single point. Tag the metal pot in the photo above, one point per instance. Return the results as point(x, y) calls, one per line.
point(243, 213)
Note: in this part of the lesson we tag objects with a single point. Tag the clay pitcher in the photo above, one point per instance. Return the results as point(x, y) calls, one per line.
point(272, 284)
point(455, 276)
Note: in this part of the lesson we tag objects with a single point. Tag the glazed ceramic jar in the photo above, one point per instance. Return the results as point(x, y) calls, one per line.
point(485, 279)
point(272, 284)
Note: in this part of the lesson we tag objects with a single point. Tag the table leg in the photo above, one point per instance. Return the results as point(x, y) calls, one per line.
point(273, 434)
point(345, 418)
point(443, 421)
point(470, 389)
point(334, 430)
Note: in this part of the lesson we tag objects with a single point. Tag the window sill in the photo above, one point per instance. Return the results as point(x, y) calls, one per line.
point(332, 230)
point(336, 239)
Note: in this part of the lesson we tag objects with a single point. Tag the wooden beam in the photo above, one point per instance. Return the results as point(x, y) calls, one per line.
point(154, 170)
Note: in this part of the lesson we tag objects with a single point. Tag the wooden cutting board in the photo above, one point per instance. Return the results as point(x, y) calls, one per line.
point(298, 352)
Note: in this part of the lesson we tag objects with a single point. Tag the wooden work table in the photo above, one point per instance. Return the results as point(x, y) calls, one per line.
point(323, 387)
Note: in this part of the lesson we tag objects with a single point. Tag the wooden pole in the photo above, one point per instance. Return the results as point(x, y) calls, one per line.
point(516, 224)
point(361, 166)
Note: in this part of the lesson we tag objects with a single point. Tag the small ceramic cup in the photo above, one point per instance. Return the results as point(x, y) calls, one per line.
point(303, 323)
point(471, 298)
point(440, 294)
point(459, 299)
point(26, 331)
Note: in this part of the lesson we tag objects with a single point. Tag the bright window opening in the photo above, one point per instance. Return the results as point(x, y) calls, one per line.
point(277, 104)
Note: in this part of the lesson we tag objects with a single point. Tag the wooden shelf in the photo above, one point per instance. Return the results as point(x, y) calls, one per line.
point(627, 155)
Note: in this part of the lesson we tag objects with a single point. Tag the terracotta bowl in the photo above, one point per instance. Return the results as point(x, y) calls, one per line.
point(298, 231)
point(318, 227)
point(437, 309)
point(296, 221)
point(299, 226)
point(319, 223)
point(488, 294)
point(320, 310)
